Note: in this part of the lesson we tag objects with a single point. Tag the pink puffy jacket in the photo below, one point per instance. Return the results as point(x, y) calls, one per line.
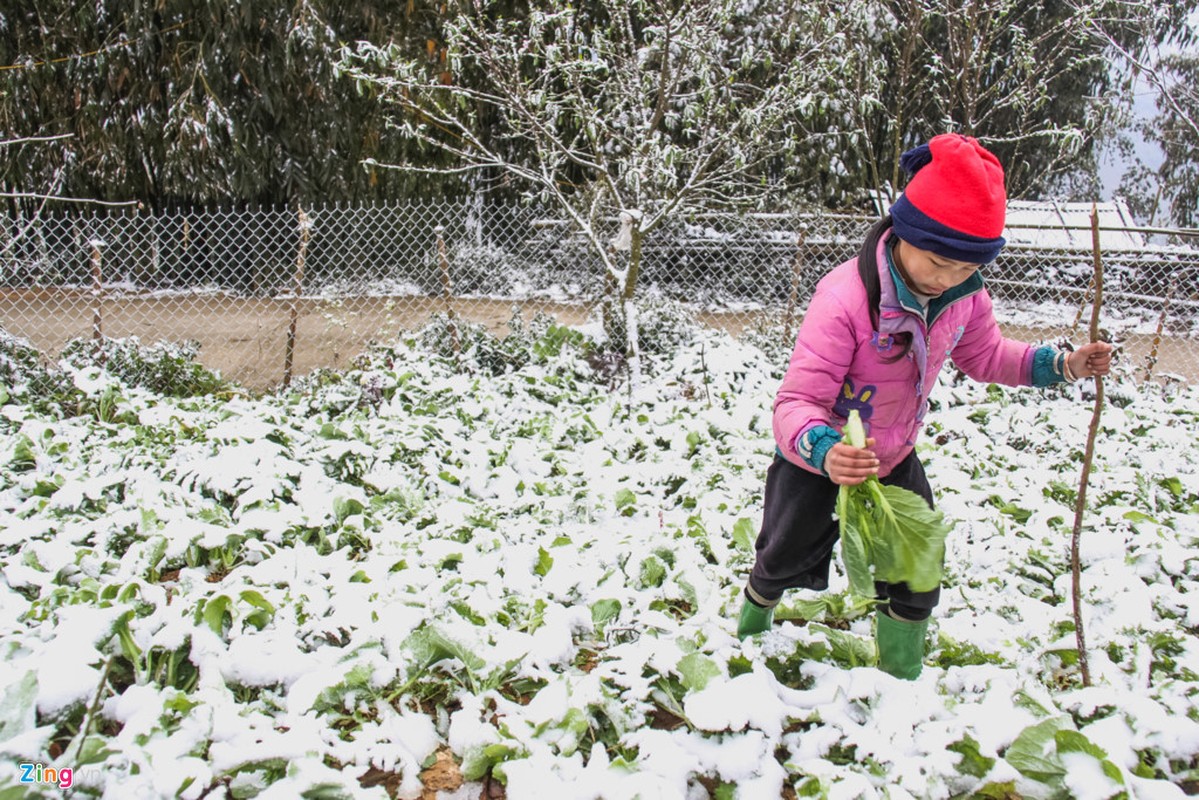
point(838, 362)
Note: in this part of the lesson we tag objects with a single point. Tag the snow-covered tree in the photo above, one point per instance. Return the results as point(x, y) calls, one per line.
point(1176, 129)
point(1028, 77)
point(617, 110)
point(1025, 76)
point(1002, 72)
point(1165, 64)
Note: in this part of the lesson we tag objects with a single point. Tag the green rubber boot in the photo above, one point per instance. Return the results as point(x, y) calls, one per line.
point(753, 619)
point(900, 646)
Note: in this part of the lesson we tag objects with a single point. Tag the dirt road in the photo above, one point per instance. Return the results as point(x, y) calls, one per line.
point(245, 338)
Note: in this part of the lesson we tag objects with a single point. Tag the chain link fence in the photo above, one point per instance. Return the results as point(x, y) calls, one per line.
point(268, 294)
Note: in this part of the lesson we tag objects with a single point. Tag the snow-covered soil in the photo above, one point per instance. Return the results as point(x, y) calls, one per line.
point(530, 581)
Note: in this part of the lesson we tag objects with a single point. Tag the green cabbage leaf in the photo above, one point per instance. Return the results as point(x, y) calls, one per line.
point(888, 533)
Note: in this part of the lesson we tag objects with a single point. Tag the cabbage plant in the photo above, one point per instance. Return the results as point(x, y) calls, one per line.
point(888, 533)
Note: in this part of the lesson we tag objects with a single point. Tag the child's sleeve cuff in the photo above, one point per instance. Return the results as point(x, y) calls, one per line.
point(1048, 366)
point(813, 445)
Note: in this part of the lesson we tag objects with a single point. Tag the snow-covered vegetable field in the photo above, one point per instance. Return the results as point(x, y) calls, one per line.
point(420, 578)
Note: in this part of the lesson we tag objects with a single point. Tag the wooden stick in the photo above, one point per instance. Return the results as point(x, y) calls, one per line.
point(97, 301)
point(447, 288)
point(1086, 298)
point(1151, 361)
point(793, 297)
point(1081, 501)
point(296, 288)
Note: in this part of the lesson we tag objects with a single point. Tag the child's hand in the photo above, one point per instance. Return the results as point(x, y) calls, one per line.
point(1091, 360)
point(848, 466)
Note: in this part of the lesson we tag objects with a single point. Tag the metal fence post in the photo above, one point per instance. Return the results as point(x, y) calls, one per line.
point(297, 287)
point(447, 288)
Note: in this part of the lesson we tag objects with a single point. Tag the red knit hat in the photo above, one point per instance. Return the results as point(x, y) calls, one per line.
point(954, 204)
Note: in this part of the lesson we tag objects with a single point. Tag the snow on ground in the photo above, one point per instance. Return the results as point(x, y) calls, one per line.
point(540, 576)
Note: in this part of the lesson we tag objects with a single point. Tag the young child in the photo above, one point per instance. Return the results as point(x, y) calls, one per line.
point(875, 336)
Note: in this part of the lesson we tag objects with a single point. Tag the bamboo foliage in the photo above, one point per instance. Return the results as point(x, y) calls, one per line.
point(198, 102)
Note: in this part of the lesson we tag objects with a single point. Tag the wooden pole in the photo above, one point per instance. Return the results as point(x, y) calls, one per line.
point(1151, 361)
point(297, 287)
point(793, 297)
point(1089, 455)
point(97, 300)
point(1082, 306)
point(447, 288)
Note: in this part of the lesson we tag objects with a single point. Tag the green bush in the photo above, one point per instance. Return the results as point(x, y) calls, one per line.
point(774, 339)
point(537, 341)
point(459, 339)
point(25, 378)
point(663, 325)
point(164, 368)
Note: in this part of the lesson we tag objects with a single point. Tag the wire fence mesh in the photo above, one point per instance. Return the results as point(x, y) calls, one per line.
point(267, 294)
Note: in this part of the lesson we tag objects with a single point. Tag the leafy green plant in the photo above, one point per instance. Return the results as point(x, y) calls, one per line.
point(829, 607)
point(165, 368)
point(972, 762)
point(429, 647)
point(953, 653)
point(651, 573)
point(888, 533)
point(158, 665)
point(349, 702)
point(478, 761)
point(556, 339)
point(787, 665)
point(626, 502)
point(220, 559)
point(1037, 753)
point(452, 338)
point(847, 649)
point(24, 455)
point(603, 612)
point(221, 611)
point(25, 378)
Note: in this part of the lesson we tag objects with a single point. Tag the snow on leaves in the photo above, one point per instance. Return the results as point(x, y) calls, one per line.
point(538, 579)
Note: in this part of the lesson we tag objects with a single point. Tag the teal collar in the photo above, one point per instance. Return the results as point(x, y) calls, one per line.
point(907, 299)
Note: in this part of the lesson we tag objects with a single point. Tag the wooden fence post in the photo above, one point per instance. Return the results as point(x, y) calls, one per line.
point(793, 297)
point(1151, 360)
point(447, 288)
point(97, 299)
point(297, 287)
point(1082, 306)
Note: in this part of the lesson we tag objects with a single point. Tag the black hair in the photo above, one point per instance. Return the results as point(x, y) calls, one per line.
point(868, 272)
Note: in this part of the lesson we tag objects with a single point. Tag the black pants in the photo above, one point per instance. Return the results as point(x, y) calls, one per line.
point(795, 545)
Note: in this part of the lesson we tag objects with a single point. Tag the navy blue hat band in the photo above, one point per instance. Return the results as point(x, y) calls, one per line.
point(920, 230)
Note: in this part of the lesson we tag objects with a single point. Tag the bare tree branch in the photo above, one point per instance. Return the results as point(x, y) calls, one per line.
point(35, 139)
point(1152, 73)
point(59, 198)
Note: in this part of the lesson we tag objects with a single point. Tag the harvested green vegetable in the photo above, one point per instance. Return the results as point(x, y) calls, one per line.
point(888, 533)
